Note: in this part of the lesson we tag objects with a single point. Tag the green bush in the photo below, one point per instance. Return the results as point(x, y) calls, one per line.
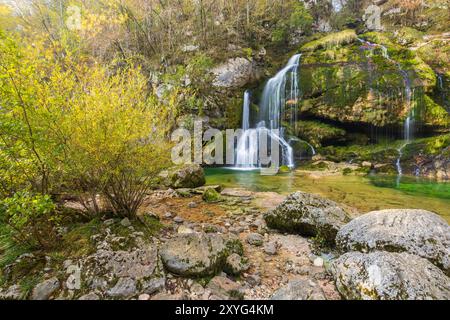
point(32, 218)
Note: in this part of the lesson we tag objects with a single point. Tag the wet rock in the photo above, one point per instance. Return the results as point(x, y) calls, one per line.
point(308, 215)
point(418, 232)
point(235, 264)
point(124, 288)
point(299, 290)
point(389, 276)
point(255, 239)
point(196, 254)
point(89, 296)
point(45, 289)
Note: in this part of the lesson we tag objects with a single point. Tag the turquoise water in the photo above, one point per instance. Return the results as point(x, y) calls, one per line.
point(365, 193)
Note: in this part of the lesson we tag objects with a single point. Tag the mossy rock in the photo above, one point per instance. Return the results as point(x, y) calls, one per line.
point(211, 196)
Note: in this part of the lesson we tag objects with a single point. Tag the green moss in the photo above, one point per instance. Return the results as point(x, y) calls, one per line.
point(331, 40)
point(318, 133)
point(210, 195)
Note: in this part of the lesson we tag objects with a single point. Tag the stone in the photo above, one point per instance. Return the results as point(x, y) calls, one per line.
point(89, 296)
point(144, 297)
point(184, 230)
point(45, 289)
point(190, 48)
point(139, 263)
point(235, 264)
point(255, 239)
point(196, 254)
point(124, 288)
point(235, 73)
point(211, 196)
point(366, 164)
point(125, 222)
point(224, 288)
point(418, 232)
point(188, 176)
point(299, 290)
point(318, 262)
point(154, 285)
point(389, 276)
point(253, 280)
point(14, 292)
point(168, 296)
point(178, 220)
point(168, 215)
point(271, 248)
point(236, 192)
point(192, 205)
point(308, 215)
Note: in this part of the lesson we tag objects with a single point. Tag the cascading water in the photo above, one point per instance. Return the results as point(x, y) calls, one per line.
point(280, 92)
point(408, 126)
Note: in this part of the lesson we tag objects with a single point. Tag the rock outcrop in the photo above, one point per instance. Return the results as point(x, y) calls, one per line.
point(197, 254)
point(235, 73)
point(418, 232)
point(389, 276)
point(189, 176)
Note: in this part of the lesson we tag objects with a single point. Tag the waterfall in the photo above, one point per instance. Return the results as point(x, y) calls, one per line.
point(280, 92)
point(408, 126)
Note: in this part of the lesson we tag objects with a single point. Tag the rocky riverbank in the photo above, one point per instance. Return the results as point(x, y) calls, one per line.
point(209, 243)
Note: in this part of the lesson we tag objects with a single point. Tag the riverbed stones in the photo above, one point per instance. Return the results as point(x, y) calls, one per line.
point(196, 254)
point(418, 232)
point(299, 289)
point(389, 276)
point(45, 289)
point(308, 215)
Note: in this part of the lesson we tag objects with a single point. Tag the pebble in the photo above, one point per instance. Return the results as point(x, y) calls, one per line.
point(178, 220)
point(318, 262)
point(144, 297)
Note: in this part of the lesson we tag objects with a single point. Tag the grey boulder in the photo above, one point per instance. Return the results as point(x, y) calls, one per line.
point(388, 276)
point(418, 232)
point(45, 289)
point(308, 215)
point(196, 254)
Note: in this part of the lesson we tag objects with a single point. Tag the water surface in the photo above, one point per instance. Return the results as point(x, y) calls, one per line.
point(363, 193)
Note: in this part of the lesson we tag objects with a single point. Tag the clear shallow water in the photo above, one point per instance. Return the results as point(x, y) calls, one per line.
point(363, 193)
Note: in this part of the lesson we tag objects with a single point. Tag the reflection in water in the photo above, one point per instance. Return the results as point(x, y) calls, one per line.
point(364, 193)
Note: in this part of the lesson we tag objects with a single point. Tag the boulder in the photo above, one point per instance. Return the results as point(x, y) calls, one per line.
point(255, 239)
point(196, 254)
point(299, 290)
point(235, 73)
point(189, 176)
point(308, 215)
point(225, 288)
point(210, 196)
point(235, 264)
point(124, 288)
point(389, 276)
point(418, 232)
point(45, 289)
